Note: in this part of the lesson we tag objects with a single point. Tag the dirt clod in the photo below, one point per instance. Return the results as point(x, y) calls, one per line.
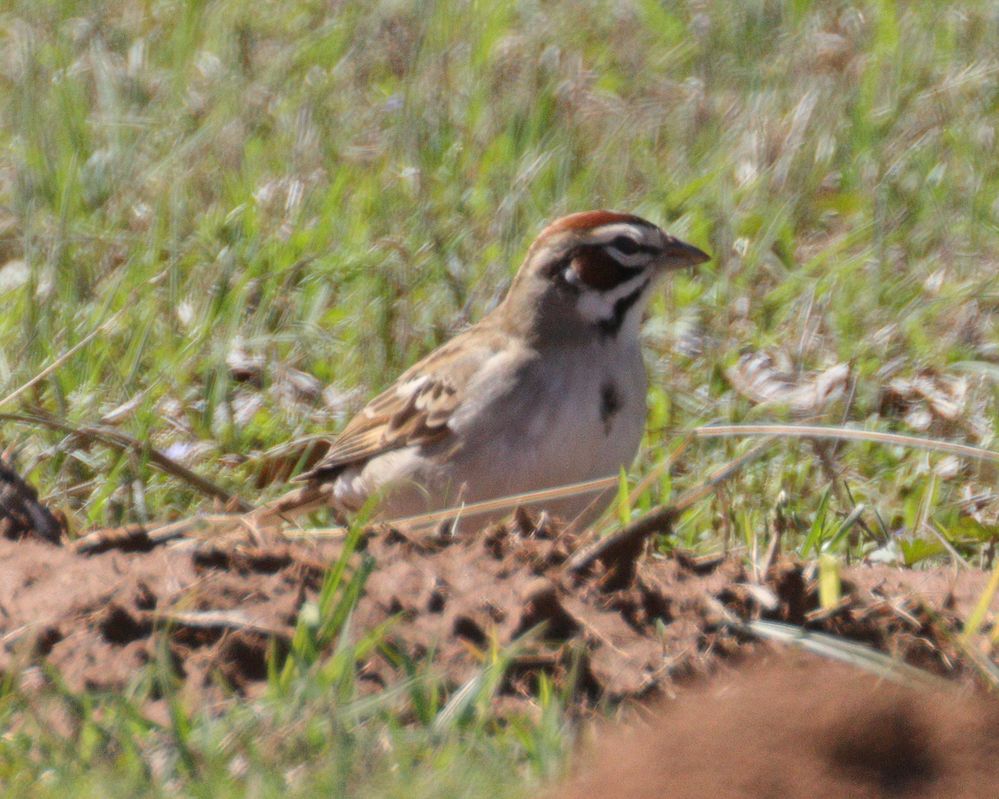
point(21, 514)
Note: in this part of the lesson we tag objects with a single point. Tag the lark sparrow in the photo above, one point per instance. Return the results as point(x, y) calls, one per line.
point(548, 389)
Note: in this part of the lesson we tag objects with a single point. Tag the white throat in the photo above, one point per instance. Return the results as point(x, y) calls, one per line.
point(601, 308)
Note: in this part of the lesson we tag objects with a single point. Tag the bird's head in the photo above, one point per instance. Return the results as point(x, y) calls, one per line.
point(591, 274)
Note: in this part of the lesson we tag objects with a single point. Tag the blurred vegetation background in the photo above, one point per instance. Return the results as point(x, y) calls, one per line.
point(273, 207)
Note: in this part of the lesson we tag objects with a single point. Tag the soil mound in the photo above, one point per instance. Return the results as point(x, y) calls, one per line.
point(218, 606)
point(803, 728)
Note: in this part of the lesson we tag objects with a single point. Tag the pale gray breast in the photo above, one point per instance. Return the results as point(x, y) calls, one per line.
point(542, 421)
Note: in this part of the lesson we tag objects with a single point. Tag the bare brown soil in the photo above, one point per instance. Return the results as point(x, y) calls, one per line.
point(795, 728)
point(219, 606)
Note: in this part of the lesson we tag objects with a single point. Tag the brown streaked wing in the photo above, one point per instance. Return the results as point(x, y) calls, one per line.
point(396, 419)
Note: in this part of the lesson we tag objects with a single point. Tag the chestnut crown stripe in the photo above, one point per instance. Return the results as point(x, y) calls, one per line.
point(588, 220)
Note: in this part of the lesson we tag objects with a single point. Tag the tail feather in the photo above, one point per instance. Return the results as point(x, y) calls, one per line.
point(296, 502)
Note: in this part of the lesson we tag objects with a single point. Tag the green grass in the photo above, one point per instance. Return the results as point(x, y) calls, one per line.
point(337, 188)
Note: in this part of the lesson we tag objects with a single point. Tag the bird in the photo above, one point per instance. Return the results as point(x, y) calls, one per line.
point(547, 389)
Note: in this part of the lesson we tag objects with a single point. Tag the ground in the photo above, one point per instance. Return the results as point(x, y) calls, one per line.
point(793, 728)
point(207, 618)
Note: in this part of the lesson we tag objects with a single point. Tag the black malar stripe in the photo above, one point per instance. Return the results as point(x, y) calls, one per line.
point(610, 327)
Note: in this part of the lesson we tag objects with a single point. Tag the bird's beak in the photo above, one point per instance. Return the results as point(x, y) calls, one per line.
point(678, 254)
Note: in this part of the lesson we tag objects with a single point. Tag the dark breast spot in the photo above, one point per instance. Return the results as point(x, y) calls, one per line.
point(610, 404)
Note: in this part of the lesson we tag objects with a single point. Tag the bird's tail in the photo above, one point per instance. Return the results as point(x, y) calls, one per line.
point(295, 503)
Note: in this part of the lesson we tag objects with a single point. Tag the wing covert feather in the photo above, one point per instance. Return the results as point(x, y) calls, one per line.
point(415, 410)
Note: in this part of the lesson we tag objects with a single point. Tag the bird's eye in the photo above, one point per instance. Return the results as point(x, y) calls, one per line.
point(627, 246)
point(570, 276)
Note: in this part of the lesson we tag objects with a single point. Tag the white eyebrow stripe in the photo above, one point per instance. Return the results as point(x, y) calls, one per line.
point(635, 260)
point(607, 233)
